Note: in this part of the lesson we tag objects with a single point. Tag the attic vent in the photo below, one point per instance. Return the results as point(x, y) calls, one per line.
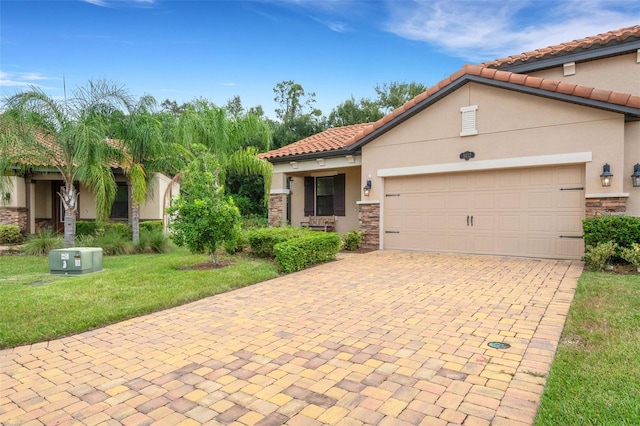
point(569, 69)
point(469, 120)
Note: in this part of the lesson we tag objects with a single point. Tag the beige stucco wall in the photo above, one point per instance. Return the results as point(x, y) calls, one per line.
point(43, 201)
point(510, 125)
point(14, 186)
point(631, 157)
point(618, 73)
point(153, 208)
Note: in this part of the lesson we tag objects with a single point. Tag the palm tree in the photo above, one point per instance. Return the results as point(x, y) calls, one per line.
point(69, 136)
point(229, 139)
point(140, 133)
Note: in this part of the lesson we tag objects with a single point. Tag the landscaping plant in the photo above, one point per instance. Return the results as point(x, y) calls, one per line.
point(299, 253)
point(10, 234)
point(42, 242)
point(352, 240)
point(632, 255)
point(203, 218)
point(597, 257)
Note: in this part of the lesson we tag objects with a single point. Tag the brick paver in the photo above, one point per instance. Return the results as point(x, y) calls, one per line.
point(377, 338)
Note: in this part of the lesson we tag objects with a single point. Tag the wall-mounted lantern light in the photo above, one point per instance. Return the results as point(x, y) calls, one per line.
point(7, 197)
point(606, 175)
point(635, 177)
point(367, 188)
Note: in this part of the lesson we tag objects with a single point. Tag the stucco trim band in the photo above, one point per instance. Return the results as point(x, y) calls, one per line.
point(502, 163)
point(612, 195)
point(280, 191)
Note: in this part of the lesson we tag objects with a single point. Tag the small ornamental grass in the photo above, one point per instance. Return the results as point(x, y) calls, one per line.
point(42, 242)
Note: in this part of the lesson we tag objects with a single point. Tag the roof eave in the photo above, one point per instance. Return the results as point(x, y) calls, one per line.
point(592, 53)
point(311, 156)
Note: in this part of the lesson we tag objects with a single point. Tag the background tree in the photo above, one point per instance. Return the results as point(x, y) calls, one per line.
point(352, 112)
point(203, 217)
point(298, 118)
point(395, 94)
point(74, 132)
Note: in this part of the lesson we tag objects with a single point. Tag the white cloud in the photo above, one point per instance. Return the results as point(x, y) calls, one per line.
point(109, 3)
point(228, 84)
point(24, 79)
point(484, 30)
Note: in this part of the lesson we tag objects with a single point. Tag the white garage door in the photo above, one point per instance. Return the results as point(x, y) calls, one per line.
point(534, 212)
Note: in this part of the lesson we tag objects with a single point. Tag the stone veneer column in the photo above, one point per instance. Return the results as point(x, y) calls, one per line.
point(277, 206)
point(605, 205)
point(369, 222)
point(14, 216)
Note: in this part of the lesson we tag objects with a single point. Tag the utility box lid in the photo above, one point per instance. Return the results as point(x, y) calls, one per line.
point(75, 260)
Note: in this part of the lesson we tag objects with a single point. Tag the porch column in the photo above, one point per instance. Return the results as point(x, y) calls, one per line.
point(278, 207)
point(369, 222)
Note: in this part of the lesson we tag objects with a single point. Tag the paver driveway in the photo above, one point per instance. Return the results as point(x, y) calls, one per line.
point(381, 338)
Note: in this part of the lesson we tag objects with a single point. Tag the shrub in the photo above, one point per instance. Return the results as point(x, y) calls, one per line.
point(85, 240)
point(113, 242)
point(263, 240)
point(253, 222)
point(151, 226)
point(632, 255)
point(299, 253)
point(153, 242)
point(238, 243)
point(10, 234)
point(42, 242)
point(622, 230)
point(597, 257)
point(352, 240)
point(88, 227)
point(119, 228)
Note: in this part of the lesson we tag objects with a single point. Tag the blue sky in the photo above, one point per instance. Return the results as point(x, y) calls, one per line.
point(180, 50)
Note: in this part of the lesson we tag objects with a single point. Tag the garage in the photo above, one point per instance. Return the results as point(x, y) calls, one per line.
point(530, 212)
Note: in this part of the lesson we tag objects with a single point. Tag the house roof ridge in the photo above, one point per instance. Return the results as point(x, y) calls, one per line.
point(586, 42)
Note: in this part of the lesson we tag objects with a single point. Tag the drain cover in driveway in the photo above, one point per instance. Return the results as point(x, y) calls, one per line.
point(498, 345)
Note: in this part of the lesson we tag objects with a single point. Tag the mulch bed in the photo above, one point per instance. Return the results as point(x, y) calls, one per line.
point(206, 266)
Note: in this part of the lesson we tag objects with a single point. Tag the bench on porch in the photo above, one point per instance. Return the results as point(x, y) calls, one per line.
point(320, 223)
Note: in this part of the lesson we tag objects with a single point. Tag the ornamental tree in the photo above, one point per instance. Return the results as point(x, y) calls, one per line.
point(203, 218)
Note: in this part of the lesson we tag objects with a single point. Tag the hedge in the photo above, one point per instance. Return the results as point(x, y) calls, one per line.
point(622, 230)
point(299, 253)
point(263, 240)
point(10, 234)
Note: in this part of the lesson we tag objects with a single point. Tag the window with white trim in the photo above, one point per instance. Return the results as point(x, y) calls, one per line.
point(469, 120)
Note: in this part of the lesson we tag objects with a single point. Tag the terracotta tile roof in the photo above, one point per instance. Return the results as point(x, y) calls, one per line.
point(328, 140)
point(566, 48)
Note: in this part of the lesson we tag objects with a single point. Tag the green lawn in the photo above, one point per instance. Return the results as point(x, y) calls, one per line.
point(36, 306)
point(595, 376)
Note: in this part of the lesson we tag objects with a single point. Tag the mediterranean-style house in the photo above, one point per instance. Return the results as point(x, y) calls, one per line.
point(31, 199)
point(505, 157)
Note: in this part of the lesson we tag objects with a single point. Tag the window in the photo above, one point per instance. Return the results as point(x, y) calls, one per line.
point(120, 207)
point(324, 196)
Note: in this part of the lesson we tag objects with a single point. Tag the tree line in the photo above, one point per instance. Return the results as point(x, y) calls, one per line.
point(298, 118)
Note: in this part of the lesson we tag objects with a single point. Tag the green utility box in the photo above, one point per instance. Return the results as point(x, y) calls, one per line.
point(75, 260)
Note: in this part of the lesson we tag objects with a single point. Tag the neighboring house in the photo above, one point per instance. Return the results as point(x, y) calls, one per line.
point(31, 200)
point(501, 158)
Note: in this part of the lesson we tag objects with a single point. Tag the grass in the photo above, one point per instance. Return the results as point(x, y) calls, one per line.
point(37, 306)
point(595, 376)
